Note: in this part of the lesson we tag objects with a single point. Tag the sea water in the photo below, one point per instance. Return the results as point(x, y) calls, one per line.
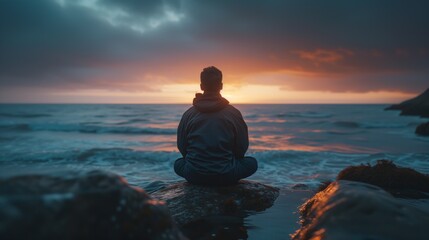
point(294, 144)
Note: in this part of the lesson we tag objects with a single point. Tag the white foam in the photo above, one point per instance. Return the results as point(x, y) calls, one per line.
point(279, 168)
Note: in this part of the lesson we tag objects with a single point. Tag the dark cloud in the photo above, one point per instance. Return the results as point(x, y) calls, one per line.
point(345, 45)
point(145, 8)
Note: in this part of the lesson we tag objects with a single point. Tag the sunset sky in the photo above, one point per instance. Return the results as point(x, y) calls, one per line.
point(152, 51)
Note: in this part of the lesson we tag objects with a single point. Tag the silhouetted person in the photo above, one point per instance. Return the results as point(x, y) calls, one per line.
point(212, 138)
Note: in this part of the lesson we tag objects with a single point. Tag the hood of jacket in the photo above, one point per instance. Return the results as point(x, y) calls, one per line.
point(209, 102)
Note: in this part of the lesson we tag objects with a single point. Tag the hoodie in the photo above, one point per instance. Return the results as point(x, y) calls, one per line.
point(211, 135)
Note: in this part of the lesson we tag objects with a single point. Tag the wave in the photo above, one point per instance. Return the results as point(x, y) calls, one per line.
point(369, 125)
point(24, 115)
point(251, 116)
point(414, 124)
point(87, 129)
point(383, 125)
point(87, 154)
point(305, 115)
point(342, 133)
point(276, 167)
point(292, 167)
point(6, 139)
point(347, 124)
point(91, 122)
point(114, 155)
point(135, 130)
point(135, 120)
point(131, 115)
point(18, 126)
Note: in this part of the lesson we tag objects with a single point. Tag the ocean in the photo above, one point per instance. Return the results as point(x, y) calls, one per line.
point(294, 144)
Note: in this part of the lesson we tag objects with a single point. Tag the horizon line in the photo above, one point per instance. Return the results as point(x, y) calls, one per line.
point(88, 103)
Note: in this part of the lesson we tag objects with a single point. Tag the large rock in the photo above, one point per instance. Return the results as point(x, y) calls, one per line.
point(423, 129)
point(355, 210)
point(93, 205)
point(400, 181)
point(418, 106)
point(189, 203)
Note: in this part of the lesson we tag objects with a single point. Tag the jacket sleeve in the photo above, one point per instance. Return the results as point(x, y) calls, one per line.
point(181, 135)
point(241, 136)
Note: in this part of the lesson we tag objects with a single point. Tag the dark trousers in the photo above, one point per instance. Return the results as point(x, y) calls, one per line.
point(242, 168)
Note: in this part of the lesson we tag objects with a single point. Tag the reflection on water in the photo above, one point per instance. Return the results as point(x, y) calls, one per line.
point(286, 142)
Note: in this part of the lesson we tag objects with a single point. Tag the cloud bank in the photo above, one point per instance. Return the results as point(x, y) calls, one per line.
point(132, 45)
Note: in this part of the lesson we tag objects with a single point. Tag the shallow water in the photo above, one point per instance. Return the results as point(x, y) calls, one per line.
point(293, 143)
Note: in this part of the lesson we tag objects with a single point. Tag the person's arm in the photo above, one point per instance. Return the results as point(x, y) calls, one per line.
point(181, 136)
point(241, 136)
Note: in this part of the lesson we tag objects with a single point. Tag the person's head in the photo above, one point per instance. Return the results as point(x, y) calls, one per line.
point(211, 79)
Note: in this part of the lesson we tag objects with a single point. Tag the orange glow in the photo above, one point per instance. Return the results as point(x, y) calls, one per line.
point(252, 93)
point(276, 143)
point(274, 80)
point(323, 55)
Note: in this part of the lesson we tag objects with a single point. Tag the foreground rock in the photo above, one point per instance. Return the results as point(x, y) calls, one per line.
point(418, 106)
point(423, 129)
point(93, 205)
point(355, 210)
point(361, 204)
point(189, 203)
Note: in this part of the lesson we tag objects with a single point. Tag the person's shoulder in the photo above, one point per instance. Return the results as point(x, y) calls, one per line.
point(190, 111)
point(232, 110)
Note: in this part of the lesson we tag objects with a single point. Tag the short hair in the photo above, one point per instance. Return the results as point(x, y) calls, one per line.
point(211, 78)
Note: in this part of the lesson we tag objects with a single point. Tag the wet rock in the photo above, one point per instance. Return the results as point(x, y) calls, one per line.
point(418, 106)
point(399, 181)
point(323, 185)
point(92, 205)
point(189, 202)
point(355, 210)
point(423, 129)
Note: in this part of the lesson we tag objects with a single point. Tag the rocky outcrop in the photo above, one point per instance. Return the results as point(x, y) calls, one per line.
point(356, 210)
point(188, 203)
point(405, 182)
point(418, 106)
point(93, 205)
point(423, 129)
point(369, 202)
